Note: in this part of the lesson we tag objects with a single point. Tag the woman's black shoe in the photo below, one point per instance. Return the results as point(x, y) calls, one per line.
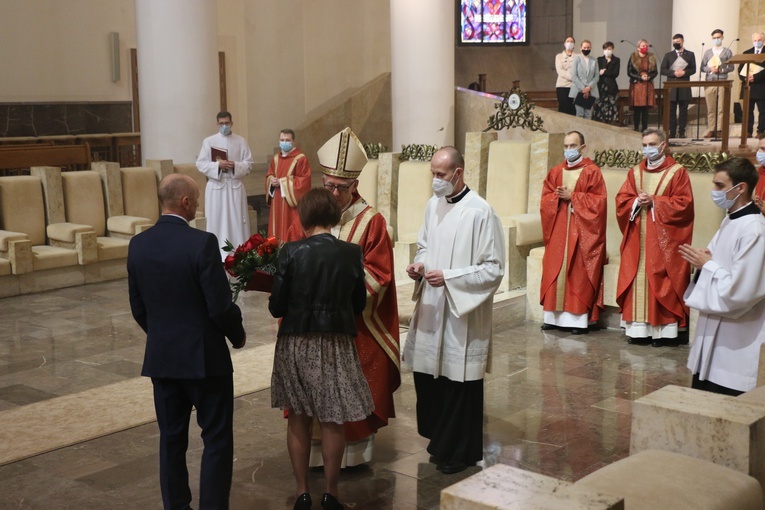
point(303, 502)
point(330, 502)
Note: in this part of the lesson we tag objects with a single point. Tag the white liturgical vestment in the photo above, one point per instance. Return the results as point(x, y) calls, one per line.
point(451, 328)
point(225, 196)
point(730, 296)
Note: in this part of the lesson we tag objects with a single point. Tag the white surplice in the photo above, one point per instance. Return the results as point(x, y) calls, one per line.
point(730, 296)
point(451, 328)
point(225, 196)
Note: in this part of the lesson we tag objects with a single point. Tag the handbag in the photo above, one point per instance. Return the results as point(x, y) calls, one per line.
point(584, 102)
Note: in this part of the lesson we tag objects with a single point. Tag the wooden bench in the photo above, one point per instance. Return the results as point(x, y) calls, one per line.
point(70, 157)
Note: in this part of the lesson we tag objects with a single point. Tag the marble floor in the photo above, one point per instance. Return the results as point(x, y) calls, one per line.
point(555, 404)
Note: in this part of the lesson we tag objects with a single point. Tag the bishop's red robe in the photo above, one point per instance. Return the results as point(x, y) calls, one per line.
point(652, 275)
point(377, 340)
point(575, 232)
point(294, 174)
point(759, 191)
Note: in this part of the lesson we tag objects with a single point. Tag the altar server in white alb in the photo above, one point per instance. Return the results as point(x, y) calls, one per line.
point(225, 158)
point(458, 267)
point(729, 287)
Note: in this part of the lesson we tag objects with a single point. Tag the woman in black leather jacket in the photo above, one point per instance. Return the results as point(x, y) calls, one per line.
point(318, 288)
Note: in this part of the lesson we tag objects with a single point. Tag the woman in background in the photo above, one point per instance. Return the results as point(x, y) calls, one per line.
point(318, 289)
point(605, 109)
point(563, 62)
point(641, 68)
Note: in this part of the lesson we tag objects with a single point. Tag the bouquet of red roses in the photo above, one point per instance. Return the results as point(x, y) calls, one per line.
point(252, 263)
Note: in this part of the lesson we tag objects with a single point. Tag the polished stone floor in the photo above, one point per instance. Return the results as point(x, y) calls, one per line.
point(555, 404)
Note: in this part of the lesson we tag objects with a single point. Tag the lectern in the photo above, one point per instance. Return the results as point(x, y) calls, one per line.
point(746, 59)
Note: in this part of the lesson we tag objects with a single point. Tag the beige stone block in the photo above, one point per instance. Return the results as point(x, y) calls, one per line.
point(387, 188)
point(507, 175)
point(414, 191)
point(53, 192)
point(503, 487)
point(652, 480)
point(161, 167)
point(20, 255)
point(112, 185)
point(9, 285)
point(48, 279)
point(546, 152)
point(403, 255)
point(726, 430)
point(533, 281)
point(106, 270)
point(477, 160)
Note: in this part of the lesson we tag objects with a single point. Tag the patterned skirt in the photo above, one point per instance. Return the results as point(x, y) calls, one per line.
point(319, 374)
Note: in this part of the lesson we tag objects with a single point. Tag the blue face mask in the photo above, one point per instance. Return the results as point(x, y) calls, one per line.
point(760, 155)
point(721, 200)
point(571, 155)
point(758, 45)
point(652, 153)
point(285, 146)
point(716, 42)
point(225, 130)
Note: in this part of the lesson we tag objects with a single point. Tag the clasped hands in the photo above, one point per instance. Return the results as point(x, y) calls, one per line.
point(697, 257)
point(434, 277)
point(644, 199)
point(225, 165)
point(273, 182)
point(563, 193)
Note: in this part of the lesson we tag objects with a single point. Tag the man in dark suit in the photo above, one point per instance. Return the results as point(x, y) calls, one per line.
point(756, 87)
point(179, 295)
point(676, 70)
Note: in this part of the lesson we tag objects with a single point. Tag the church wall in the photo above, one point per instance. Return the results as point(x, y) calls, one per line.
point(55, 50)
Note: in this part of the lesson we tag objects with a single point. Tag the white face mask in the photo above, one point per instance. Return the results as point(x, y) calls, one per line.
point(442, 187)
point(569, 46)
point(607, 53)
point(760, 155)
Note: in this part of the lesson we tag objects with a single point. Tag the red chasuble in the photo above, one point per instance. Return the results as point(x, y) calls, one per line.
point(294, 174)
point(759, 191)
point(574, 231)
point(652, 274)
point(378, 330)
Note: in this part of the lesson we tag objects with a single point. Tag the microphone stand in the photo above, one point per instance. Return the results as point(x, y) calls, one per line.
point(698, 105)
point(716, 137)
point(635, 45)
point(661, 105)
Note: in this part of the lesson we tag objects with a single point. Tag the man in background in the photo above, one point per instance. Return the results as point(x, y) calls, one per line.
point(225, 158)
point(287, 180)
point(678, 65)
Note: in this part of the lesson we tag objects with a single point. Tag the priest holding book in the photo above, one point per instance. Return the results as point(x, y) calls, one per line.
point(225, 158)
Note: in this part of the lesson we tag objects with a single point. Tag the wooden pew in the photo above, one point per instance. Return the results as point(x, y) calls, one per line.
point(70, 157)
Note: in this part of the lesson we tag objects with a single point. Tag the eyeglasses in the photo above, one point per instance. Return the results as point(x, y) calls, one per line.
point(342, 188)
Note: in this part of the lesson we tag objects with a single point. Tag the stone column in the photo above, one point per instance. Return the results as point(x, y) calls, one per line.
point(177, 43)
point(422, 72)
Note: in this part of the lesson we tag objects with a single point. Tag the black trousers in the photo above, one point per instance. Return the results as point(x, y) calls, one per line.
point(678, 117)
point(760, 115)
point(213, 399)
point(450, 414)
point(714, 388)
point(565, 103)
point(640, 117)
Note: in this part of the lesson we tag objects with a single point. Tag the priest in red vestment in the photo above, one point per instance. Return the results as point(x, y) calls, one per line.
point(342, 158)
point(573, 209)
point(655, 211)
point(759, 192)
point(287, 180)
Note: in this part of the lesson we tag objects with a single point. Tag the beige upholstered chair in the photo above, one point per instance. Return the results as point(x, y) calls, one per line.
point(23, 230)
point(139, 192)
point(84, 204)
point(190, 169)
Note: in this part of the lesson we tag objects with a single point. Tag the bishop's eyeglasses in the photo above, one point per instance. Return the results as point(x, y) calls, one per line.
point(342, 188)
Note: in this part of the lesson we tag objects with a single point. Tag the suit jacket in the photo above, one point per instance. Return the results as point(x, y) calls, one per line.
point(179, 295)
point(319, 286)
point(607, 85)
point(757, 87)
point(666, 64)
point(584, 72)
